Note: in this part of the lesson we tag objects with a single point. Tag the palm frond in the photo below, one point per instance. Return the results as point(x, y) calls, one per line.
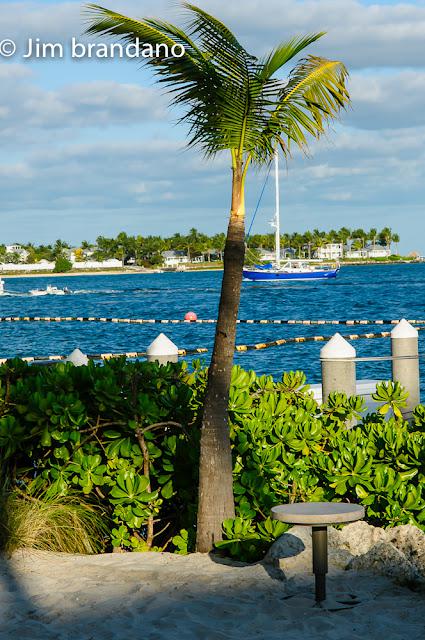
point(230, 99)
point(285, 52)
point(313, 96)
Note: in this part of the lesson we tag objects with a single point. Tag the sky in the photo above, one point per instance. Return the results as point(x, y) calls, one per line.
point(90, 147)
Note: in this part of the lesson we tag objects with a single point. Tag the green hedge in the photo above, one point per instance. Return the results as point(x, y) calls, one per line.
point(125, 437)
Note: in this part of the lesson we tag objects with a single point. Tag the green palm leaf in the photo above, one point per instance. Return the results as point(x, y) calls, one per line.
point(230, 99)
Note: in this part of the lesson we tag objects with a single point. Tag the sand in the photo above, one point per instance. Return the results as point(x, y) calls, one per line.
point(161, 595)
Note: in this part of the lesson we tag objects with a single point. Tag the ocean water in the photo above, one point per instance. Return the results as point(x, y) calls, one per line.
point(360, 292)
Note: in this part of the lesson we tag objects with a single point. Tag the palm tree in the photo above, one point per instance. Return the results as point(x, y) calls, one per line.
point(308, 242)
point(344, 235)
point(372, 236)
point(396, 239)
point(218, 243)
point(361, 235)
point(232, 102)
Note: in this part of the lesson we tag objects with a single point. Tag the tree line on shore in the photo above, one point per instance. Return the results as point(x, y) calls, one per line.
point(148, 250)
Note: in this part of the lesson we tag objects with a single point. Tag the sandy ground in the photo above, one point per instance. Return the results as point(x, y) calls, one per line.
point(159, 595)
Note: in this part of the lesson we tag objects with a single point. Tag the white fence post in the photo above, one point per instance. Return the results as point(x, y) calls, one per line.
point(78, 358)
point(162, 350)
point(338, 367)
point(404, 342)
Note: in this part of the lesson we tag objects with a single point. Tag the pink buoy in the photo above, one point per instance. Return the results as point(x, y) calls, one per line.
point(191, 316)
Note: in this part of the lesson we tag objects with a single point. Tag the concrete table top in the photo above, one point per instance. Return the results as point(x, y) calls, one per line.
point(315, 514)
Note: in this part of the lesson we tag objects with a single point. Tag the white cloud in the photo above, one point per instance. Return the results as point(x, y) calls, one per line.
point(14, 70)
point(338, 196)
point(27, 105)
point(18, 170)
point(393, 100)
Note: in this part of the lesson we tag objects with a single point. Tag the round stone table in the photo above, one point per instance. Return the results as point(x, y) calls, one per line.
point(319, 515)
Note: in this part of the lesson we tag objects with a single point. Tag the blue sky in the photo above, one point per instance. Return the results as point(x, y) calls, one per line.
point(90, 147)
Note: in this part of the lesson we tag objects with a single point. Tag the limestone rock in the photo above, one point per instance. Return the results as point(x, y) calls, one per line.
point(385, 559)
point(398, 553)
point(293, 543)
point(411, 541)
point(357, 537)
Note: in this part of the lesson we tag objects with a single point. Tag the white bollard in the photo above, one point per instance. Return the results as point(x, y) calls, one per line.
point(162, 350)
point(338, 367)
point(404, 342)
point(78, 358)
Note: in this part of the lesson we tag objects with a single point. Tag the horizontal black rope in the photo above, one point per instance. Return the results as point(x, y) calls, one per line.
point(199, 321)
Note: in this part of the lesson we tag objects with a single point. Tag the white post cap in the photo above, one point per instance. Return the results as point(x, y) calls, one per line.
point(78, 358)
point(162, 346)
point(336, 348)
point(404, 330)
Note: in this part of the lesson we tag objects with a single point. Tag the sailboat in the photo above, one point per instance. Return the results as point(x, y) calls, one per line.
point(291, 269)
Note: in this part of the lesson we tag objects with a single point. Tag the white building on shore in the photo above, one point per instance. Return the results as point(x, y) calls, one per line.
point(174, 258)
point(367, 253)
point(18, 250)
point(330, 251)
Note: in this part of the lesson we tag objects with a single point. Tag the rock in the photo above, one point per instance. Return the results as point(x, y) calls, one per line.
point(357, 537)
point(411, 541)
point(296, 544)
point(293, 543)
point(398, 553)
point(385, 559)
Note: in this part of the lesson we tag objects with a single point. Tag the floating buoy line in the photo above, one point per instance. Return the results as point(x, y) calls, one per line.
point(200, 321)
point(202, 350)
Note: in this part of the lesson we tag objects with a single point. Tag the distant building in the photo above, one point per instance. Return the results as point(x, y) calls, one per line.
point(198, 259)
point(377, 251)
point(355, 254)
point(330, 251)
point(20, 251)
point(266, 255)
point(368, 253)
point(174, 258)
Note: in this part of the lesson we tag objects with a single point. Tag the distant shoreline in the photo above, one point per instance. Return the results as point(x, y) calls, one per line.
point(127, 272)
point(114, 272)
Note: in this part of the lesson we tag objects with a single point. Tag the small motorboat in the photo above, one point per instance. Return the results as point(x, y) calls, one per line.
point(50, 290)
point(2, 291)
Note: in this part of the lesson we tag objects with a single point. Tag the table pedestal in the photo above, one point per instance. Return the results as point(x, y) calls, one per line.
point(320, 560)
point(319, 515)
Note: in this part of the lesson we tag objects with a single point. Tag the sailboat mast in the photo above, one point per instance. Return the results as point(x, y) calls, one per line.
point(277, 214)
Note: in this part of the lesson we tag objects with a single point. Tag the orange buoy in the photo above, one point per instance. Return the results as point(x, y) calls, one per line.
point(191, 316)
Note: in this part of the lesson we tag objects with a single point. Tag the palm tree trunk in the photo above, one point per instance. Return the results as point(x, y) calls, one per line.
point(216, 502)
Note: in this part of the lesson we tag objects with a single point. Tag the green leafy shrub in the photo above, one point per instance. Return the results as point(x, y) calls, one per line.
point(62, 265)
point(121, 436)
point(247, 540)
point(124, 438)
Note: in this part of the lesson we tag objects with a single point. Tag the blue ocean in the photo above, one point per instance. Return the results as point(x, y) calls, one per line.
point(360, 292)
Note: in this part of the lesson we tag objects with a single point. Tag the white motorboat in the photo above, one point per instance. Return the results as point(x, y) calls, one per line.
point(2, 291)
point(50, 290)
